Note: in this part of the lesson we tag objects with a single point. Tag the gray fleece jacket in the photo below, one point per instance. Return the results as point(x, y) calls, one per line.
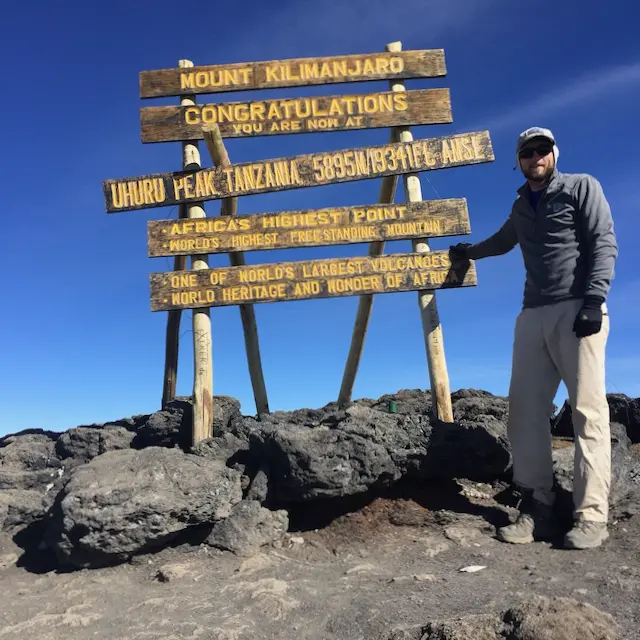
point(568, 243)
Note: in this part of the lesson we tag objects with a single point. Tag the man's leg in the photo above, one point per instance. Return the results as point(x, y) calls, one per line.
point(534, 382)
point(582, 365)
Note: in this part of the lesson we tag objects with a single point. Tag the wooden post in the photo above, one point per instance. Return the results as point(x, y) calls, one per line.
point(202, 349)
point(438, 374)
point(229, 207)
point(172, 342)
point(387, 196)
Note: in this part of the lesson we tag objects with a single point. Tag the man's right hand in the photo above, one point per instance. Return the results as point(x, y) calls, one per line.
point(460, 251)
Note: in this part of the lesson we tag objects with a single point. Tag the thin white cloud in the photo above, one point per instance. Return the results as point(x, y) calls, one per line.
point(338, 25)
point(585, 88)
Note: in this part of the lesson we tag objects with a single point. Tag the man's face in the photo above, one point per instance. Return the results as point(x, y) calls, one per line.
point(536, 159)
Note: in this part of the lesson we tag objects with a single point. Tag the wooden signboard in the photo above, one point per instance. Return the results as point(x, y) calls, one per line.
point(299, 72)
point(303, 280)
point(297, 115)
point(311, 228)
point(307, 170)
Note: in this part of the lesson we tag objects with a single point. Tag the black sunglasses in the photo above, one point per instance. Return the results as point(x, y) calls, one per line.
point(541, 150)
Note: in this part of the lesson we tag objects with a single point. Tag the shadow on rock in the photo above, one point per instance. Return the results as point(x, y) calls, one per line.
point(36, 557)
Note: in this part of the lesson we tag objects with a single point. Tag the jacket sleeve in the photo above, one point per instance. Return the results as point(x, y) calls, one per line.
point(498, 244)
point(596, 226)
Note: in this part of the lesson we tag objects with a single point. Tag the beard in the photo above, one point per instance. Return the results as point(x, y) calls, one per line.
point(539, 175)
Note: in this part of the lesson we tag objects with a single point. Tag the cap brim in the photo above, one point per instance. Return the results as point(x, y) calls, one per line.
point(535, 137)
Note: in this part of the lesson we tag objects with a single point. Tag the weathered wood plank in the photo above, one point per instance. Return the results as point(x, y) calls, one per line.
point(304, 280)
point(295, 72)
point(295, 172)
point(297, 115)
point(309, 228)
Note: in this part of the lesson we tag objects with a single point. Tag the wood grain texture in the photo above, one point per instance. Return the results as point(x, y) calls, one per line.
point(335, 277)
point(295, 172)
point(309, 228)
point(297, 115)
point(296, 72)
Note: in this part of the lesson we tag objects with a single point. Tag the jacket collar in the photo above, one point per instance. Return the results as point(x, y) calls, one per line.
point(551, 188)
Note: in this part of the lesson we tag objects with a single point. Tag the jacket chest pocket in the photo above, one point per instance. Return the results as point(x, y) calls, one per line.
point(559, 218)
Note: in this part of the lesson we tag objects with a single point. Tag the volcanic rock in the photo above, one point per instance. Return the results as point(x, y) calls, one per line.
point(622, 409)
point(407, 401)
point(82, 444)
point(535, 618)
point(248, 527)
point(622, 463)
point(126, 502)
point(361, 448)
point(29, 470)
point(225, 409)
point(169, 427)
point(27, 461)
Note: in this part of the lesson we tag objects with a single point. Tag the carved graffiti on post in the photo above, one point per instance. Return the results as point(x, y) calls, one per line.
point(303, 280)
point(298, 171)
point(421, 63)
point(297, 115)
point(313, 228)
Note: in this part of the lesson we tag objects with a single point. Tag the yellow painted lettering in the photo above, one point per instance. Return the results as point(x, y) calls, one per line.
point(192, 115)
point(272, 73)
point(188, 187)
point(396, 64)
point(369, 67)
point(187, 81)
point(248, 177)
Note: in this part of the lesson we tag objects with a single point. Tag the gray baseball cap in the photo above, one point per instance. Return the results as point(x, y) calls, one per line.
point(536, 132)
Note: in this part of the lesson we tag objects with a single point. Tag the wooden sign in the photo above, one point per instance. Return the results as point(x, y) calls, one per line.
point(308, 170)
point(311, 228)
point(298, 115)
point(299, 72)
point(284, 281)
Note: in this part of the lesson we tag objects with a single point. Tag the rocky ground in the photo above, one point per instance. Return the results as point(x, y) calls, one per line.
point(314, 524)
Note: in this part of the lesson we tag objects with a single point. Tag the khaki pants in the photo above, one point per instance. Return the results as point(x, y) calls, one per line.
point(546, 351)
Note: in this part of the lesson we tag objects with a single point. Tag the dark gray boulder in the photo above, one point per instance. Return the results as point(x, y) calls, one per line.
point(169, 427)
point(407, 401)
point(22, 507)
point(622, 465)
point(475, 407)
point(622, 409)
point(225, 410)
point(27, 461)
point(30, 474)
point(361, 448)
point(474, 449)
point(248, 527)
point(126, 502)
point(82, 444)
point(472, 393)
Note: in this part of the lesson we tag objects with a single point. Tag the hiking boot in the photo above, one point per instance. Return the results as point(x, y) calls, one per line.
point(533, 523)
point(586, 534)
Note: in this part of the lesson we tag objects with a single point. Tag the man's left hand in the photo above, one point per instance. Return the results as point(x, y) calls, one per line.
point(589, 318)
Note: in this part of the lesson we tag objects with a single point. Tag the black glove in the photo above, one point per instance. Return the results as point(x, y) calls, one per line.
point(589, 318)
point(460, 251)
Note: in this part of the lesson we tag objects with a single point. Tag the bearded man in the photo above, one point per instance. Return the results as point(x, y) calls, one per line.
point(564, 227)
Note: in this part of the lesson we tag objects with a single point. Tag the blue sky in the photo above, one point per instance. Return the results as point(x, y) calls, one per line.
point(78, 342)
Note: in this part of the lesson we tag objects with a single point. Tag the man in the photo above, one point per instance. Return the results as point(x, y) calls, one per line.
point(563, 225)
